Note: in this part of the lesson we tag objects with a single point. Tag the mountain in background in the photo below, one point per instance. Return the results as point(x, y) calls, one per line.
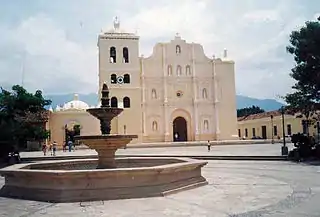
point(265, 104)
point(91, 99)
point(242, 101)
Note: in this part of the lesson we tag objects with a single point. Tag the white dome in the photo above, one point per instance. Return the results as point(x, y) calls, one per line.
point(75, 104)
point(58, 108)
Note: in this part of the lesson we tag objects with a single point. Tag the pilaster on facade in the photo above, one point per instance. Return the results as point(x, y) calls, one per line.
point(165, 89)
point(216, 101)
point(144, 128)
point(166, 122)
point(195, 104)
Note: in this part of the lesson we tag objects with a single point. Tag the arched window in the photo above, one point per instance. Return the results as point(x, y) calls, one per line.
point(206, 125)
point(113, 78)
point(178, 70)
point(188, 70)
point(204, 93)
point(126, 79)
point(154, 126)
point(114, 102)
point(154, 94)
point(126, 102)
point(125, 53)
point(113, 55)
point(178, 49)
point(169, 70)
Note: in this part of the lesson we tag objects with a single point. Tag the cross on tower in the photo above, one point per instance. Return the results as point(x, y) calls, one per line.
point(116, 23)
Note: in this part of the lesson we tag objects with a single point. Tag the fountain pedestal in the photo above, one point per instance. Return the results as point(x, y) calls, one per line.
point(106, 147)
point(106, 159)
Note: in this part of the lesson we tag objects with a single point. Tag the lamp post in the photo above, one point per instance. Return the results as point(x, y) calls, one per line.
point(272, 133)
point(284, 148)
point(318, 131)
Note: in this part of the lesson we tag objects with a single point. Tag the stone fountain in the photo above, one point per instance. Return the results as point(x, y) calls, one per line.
point(106, 145)
point(105, 178)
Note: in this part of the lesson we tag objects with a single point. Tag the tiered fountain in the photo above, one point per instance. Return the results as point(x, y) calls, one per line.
point(106, 178)
point(106, 145)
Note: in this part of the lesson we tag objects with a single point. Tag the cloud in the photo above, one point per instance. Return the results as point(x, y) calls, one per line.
point(49, 60)
point(261, 16)
point(174, 17)
point(163, 21)
point(61, 55)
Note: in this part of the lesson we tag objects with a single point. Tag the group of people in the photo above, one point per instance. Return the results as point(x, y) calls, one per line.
point(53, 147)
point(71, 146)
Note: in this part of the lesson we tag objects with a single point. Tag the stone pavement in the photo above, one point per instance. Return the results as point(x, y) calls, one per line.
point(236, 188)
point(218, 150)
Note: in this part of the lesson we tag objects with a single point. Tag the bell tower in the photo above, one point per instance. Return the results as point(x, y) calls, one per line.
point(119, 67)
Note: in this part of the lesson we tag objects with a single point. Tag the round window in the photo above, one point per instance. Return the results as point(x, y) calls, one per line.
point(179, 94)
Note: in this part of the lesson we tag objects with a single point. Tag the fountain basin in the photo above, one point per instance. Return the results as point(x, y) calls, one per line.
point(108, 141)
point(105, 113)
point(76, 181)
point(106, 147)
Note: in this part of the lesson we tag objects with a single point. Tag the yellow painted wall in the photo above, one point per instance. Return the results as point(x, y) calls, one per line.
point(257, 124)
point(89, 125)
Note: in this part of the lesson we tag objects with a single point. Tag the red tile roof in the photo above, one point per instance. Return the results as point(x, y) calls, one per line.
point(259, 116)
point(274, 113)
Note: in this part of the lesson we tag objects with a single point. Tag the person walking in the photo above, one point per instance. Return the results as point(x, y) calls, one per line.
point(50, 149)
point(54, 148)
point(44, 149)
point(209, 145)
point(64, 147)
point(70, 145)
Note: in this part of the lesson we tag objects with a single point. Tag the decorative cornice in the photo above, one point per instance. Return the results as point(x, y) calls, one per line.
point(118, 36)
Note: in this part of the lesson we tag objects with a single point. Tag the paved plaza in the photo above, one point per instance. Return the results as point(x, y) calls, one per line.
point(217, 150)
point(235, 189)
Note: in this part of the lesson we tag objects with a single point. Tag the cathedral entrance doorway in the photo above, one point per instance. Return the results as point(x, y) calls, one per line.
point(180, 132)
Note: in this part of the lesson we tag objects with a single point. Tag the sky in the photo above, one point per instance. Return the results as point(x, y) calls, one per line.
point(52, 45)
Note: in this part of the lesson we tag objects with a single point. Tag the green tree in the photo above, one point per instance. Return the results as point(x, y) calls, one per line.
point(249, 111)
point(305, 48)
point(22, 118)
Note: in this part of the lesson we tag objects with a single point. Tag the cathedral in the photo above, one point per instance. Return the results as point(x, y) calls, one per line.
point(175, 94)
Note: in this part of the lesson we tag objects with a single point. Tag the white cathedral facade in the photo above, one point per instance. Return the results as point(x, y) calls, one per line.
point(175, 94)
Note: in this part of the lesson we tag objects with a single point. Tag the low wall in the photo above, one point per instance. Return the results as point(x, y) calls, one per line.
point(102, 184)
point(196, 143)
point(204, 143)
point(93, 163)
